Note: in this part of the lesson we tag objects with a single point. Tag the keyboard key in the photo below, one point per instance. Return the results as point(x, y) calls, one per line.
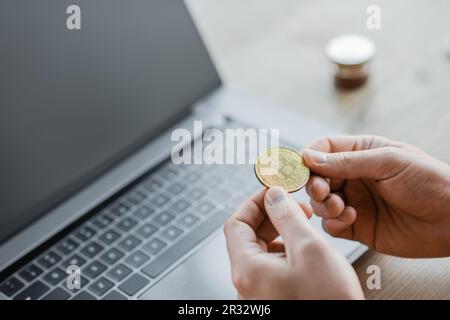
point(144, 212)
point(119, 272)
point(33, 292)
point(160, 200)
point(102, 221)
point(84, 295)
point(49, 259)
point(30, 272)
point(129, 243)
point(136, 197)
point(153, 184)
point(133, 284)
point(111, 256)
point(101, 286)
point(75, 260)
point(85, 233)
point(119, 209)
point(11, 286)
point(196, 193)
point(181, 247)
point(176, 188)
point(109, 237)
point(154, 246)
point(55, 276)
point(163, 218)
point(92, 249)
point(172, 233)
point(142, 192)
point(147, 230)
point(205, 208)
point(188, 220)
point(94, 269)
point(136, 259)
point(180, 206)
point(126, 224)
point(169, 172)
point(67, 246)
point(114, 295)
point(57, 294)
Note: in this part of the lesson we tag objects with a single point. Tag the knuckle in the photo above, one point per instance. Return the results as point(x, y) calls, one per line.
point(345, 158)
point(238, 281)
point(244, 279)
point(228, 226)
point(317, 207)
point(390, 152)
point(392, 161)
point(343, 161)
point(334, 204)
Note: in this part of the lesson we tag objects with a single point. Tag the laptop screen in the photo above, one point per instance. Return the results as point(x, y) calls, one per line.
point(83, 86)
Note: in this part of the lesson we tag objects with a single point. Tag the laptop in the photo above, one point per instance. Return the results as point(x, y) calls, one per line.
point(90, 96)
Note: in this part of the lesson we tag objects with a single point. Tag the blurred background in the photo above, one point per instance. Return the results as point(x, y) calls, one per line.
point(276, 49)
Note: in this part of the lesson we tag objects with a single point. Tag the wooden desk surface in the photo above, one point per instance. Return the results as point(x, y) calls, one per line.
point(275, 49)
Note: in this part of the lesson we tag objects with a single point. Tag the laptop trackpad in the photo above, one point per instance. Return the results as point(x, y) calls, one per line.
point(205, 275)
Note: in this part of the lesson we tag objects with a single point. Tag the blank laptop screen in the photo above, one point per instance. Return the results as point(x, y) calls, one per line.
point(82, 88)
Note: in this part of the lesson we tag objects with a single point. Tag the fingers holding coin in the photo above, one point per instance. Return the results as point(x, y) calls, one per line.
point(286, 168)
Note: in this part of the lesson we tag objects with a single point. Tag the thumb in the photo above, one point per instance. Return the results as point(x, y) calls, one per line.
point(377, 163)
point(287, 217)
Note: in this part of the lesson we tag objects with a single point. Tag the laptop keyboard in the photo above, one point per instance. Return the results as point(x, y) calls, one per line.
point(128, 246)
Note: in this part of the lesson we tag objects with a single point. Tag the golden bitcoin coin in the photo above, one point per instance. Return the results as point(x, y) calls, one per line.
point(282, 167)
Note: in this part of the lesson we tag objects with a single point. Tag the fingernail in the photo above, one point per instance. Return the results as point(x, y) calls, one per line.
point(316, 156)
point(275, 195)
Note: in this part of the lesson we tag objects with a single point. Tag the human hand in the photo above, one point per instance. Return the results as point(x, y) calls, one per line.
point(388, 195)
point(304, 266)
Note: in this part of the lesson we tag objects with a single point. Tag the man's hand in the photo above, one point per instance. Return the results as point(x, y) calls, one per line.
point(303, 266)
point(388, 195)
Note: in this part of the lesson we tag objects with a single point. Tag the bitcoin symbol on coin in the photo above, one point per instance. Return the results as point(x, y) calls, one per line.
point(282, 167)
